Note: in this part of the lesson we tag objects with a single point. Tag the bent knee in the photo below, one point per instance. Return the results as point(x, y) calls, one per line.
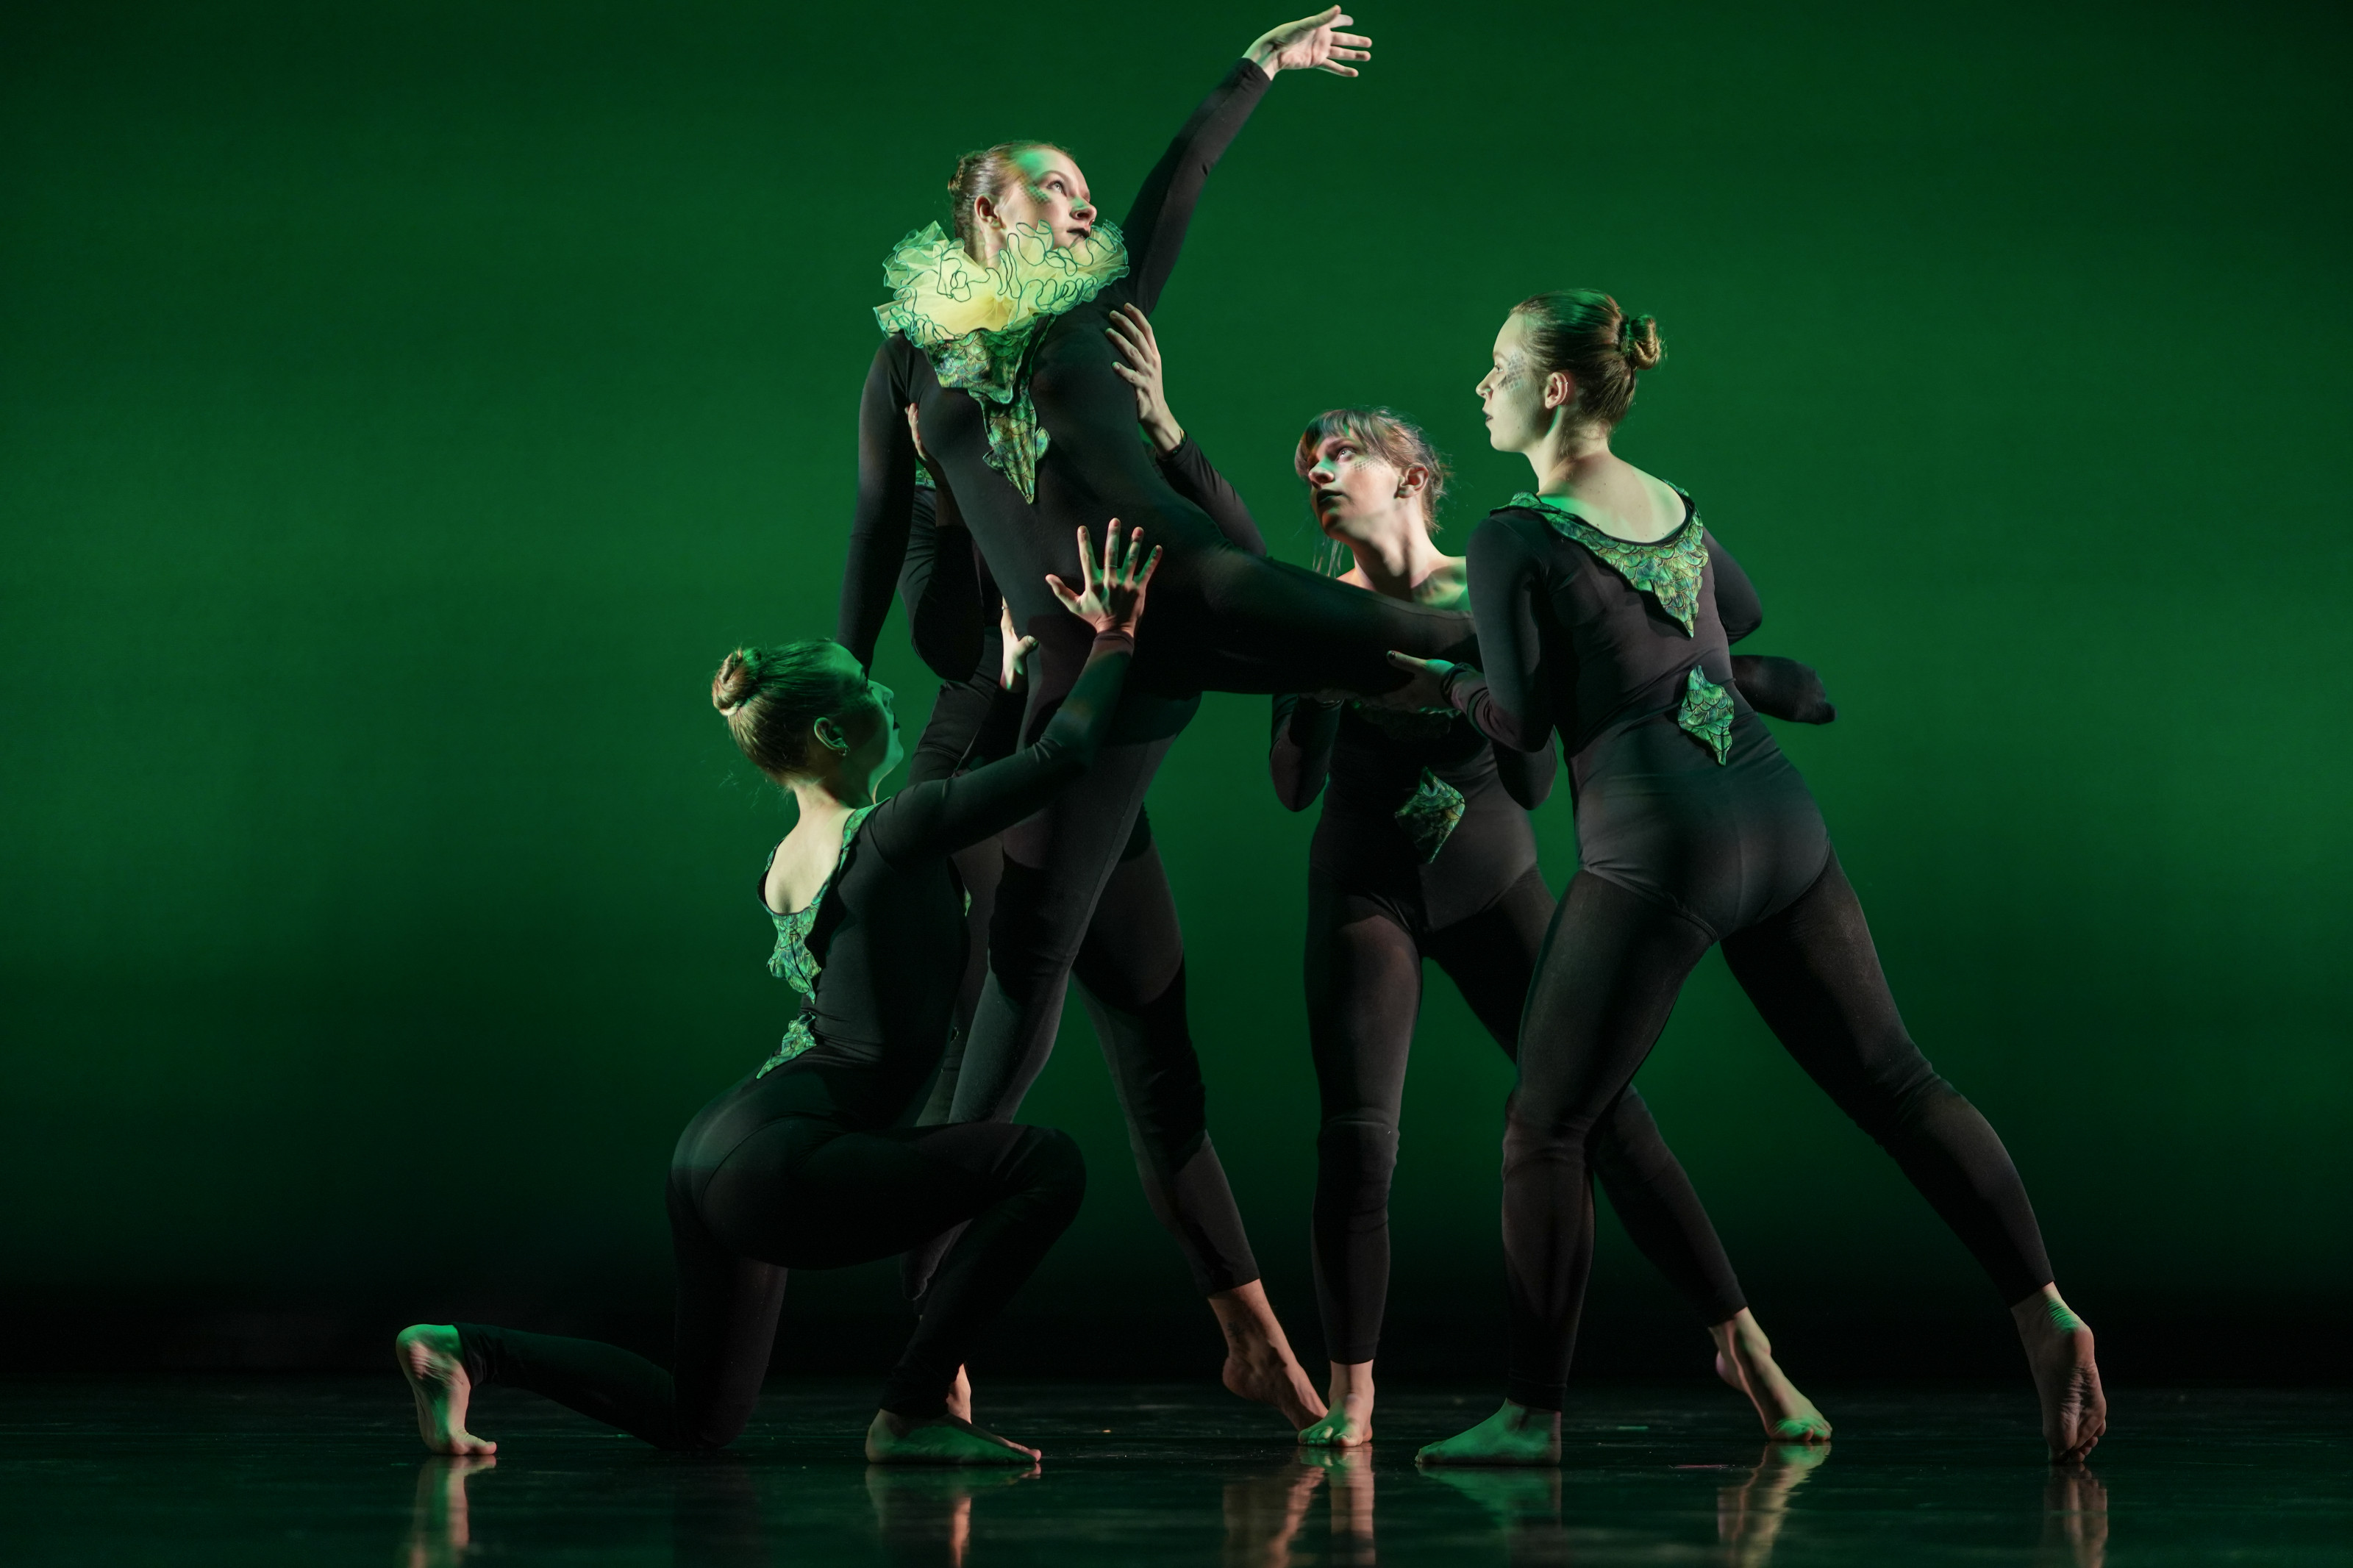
point(1050, 1162)
point(1358, 1137)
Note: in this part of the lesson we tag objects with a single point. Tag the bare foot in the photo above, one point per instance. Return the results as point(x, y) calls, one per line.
point(1743, 1358)
point(960, 1397)
point(940, 1440)
point(1348, 1422)
point(1515, 1434)
point(429, 1359)
point(1259, 1363)
point(2066, 1377)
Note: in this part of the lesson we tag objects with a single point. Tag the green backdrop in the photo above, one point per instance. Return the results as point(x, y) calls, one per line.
point(405, 407)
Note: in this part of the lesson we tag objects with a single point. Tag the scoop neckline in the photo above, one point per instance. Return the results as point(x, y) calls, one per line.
point(849, 826)
point(1691, 515)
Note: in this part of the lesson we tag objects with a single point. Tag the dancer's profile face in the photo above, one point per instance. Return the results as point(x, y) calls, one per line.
point(869, 723)
point(1359, 496)
point(1513, 394)
point(1051, 195)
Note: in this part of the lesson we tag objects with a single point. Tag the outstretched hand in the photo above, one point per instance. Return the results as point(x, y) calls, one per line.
point(1111, 598)
point(1427, 689)
point(1310, 44)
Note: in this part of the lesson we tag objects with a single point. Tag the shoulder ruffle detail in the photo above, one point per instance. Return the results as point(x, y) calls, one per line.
point(1671, 570)
point(977, 324)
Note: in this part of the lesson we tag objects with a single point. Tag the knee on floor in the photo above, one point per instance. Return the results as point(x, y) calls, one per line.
point(709, 1431)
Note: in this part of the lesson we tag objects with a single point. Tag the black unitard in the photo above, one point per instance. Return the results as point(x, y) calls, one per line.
point(1225, 619)
point(1374, 910)
point(1679, 852)
point(808, 1163)
point(1376, 906)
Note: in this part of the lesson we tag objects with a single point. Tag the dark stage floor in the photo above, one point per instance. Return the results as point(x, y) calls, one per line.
point(215, 1471)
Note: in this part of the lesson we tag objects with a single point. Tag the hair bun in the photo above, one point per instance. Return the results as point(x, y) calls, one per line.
point(735, 684)
point(1637, 339)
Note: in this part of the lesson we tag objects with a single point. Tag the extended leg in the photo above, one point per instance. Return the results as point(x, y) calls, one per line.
point(1606, 981)
point(1131, 973)
point(1815, 976)
point(727, 1307)
point(1492, 958)
point(1056, 864)
point(1364, 995)
point(1269, 626)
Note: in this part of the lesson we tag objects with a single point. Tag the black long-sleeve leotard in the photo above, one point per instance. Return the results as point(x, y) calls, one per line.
point(890, 934)
point(1567, 645)
point(1681, 850)
point(1378, 904)
point(1230, 621)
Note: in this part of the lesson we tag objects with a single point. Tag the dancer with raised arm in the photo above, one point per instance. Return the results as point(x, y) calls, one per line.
point(1606, 612)
point(1424, 850)
point(807, 1163)
point(994, 335)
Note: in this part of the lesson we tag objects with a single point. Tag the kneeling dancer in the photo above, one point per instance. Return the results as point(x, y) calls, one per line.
point(804, 1163)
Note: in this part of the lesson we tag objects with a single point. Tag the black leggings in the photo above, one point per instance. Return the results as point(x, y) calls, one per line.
point(1612, 965)
point(1130, 968)
point(801, 1192)
point(1084, 891)
point(1363, 996)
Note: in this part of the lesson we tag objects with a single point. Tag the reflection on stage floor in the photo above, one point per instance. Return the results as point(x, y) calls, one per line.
point(200, 1471)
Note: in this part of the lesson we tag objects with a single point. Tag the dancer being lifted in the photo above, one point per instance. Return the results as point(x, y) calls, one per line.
point(1606, 612)
point(996, 337)
point(805, 1163)
point(1424, 850)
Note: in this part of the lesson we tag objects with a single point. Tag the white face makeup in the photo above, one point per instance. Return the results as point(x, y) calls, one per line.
point(1054, 198)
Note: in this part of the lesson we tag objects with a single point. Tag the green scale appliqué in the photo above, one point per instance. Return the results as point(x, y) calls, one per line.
point(792, 961)
point(1430, 815)
point(1706, 711)
point(1672, 571)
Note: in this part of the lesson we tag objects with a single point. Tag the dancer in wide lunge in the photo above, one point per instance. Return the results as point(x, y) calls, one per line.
point(807, 1161)
point(1606, 612)
point(996, 336)
point(1424, 850)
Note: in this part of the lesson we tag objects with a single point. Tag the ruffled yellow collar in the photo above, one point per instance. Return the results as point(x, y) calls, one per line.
point(939, 293)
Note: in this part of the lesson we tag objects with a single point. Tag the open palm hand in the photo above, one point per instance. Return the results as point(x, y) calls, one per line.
point(1110, 597)
point(1312, 43)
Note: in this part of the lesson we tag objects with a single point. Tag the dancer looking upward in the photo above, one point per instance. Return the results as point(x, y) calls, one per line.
point(1424, 850)
point(996, 336)
point(1606, 612)
point(806, 1162)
